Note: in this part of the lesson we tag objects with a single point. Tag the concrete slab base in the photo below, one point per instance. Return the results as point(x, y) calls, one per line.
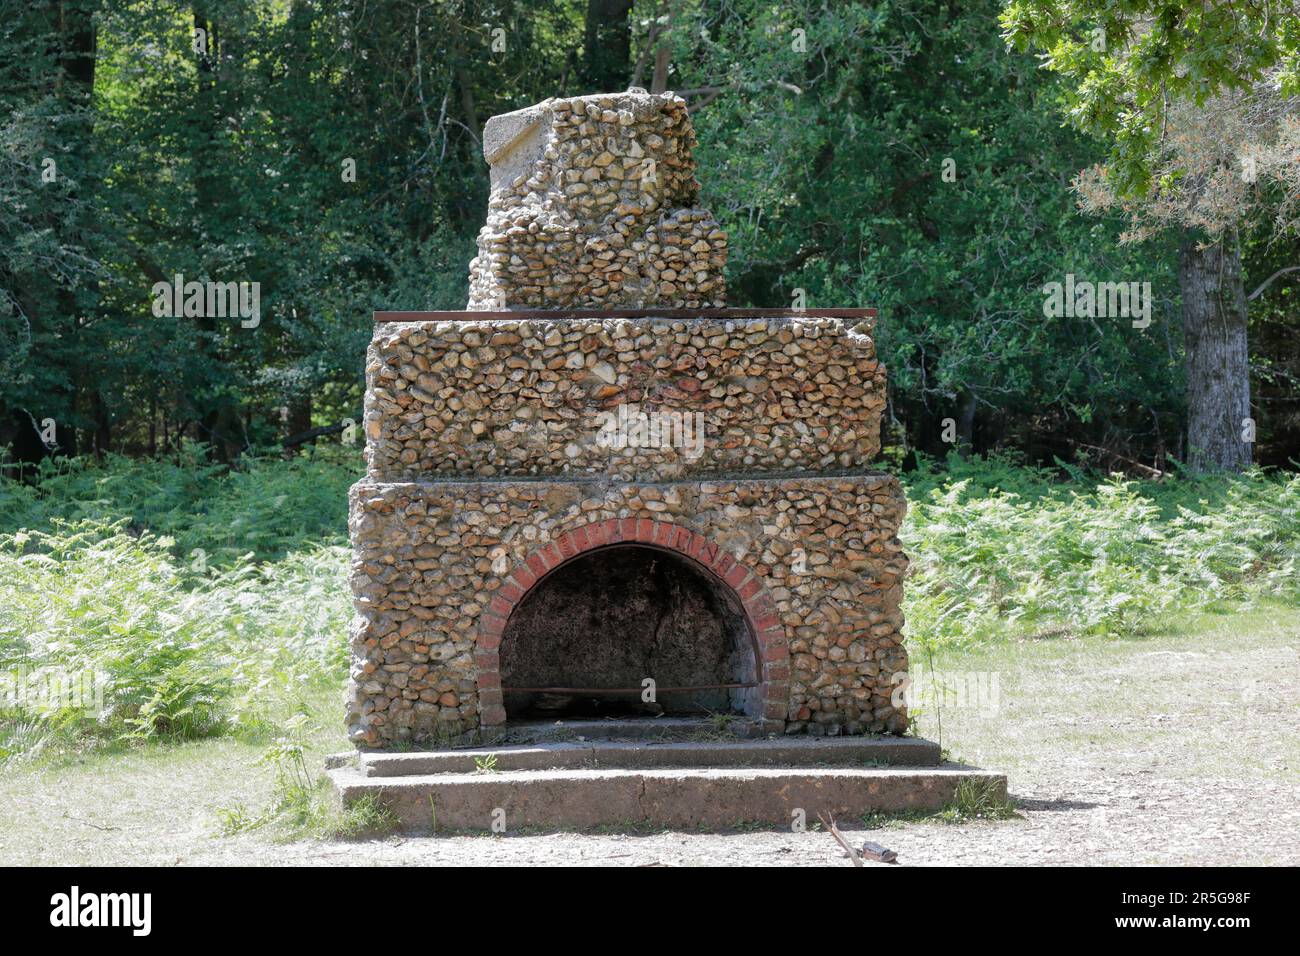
point(575, 784)
point(582, 798)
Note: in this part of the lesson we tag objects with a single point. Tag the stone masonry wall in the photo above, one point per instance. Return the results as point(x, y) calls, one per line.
point(433, 564)
point(593, 205)
point(490, 460)
point(529, 397)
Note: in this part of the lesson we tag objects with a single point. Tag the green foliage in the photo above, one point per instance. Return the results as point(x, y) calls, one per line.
point(977, 800)
point(999, 550)
point(906, 161)
point(227, 162)
point(1018, 557)
point(303, 804)
point(212, 515)
point(177, 655)
point(1127, 61)
point(825, 160)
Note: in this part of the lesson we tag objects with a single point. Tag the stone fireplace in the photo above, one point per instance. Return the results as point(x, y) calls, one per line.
point(599, 492)
point(583, 641)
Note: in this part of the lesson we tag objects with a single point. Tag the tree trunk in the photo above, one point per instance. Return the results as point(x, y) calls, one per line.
point(966, 424)
point(464, 82)
point(607, 45)
point(659, 81)
point(1219, 433)
point(75, 84)
point(663, 54)
point(297, 422)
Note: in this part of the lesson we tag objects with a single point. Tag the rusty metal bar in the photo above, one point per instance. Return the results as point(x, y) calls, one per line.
point(646, 312)
point(622, 690)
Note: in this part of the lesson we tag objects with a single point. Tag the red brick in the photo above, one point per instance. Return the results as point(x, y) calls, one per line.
point(777, 671)
point(580, 538)
point(567, 546)
point(734, 574)
point(536, 565)
point(524, 577)
point(488, 680)
point(489, 697)
point(491, 716)
point(661, 533)
point(487, 661)
point(645, 530)
point(775, 651)
point(749, 589)
point(686, 539)
point(774, 710)
point(704, 551)
point(627, 529)
point(488, 640)
point(511, 591)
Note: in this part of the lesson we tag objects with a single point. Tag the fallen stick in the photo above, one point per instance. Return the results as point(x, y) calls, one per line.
point(829, 822)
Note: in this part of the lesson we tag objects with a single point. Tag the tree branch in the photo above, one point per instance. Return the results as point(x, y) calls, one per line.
point(311, 435)
point(1269, 281)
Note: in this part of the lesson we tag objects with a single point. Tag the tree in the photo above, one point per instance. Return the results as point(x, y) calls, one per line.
point(857, 153)
point(897, 157)
point(607, 44)
point(1151, 78)
point(50, 363)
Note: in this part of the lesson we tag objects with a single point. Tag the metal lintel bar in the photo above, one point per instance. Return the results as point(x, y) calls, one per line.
point(622, 690)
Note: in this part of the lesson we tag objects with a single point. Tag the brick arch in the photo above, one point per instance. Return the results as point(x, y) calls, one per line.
point(757, 605)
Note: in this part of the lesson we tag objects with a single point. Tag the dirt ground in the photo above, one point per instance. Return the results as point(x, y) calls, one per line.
point(1178, 748)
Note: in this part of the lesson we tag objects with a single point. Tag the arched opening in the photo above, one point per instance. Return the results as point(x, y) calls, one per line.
point(586, 636)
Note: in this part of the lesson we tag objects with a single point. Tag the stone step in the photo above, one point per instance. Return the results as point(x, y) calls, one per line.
point(675, 798)
point(633, 754)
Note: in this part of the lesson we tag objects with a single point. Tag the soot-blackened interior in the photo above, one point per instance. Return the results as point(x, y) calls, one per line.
point(611, 618)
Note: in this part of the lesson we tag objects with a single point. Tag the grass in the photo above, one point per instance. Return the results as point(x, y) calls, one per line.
point(209, 607)
point(169, 655)
point(977, 800)
point(1155, 702)
point(1152, 708)
point(302, 803)
point(205, 601)
point(311, 812)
